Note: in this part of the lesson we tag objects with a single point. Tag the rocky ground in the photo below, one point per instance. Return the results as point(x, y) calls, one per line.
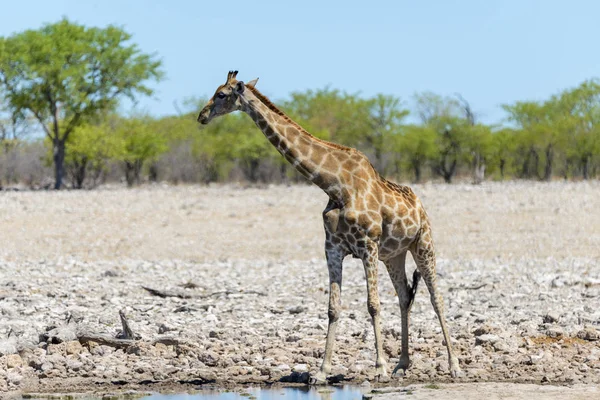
point(246, 288)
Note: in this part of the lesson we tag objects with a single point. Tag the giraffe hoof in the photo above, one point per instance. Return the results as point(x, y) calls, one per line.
point(401, 367)
point(457, 373)
point(317, 379)
point(455, 370)
point(382, 374)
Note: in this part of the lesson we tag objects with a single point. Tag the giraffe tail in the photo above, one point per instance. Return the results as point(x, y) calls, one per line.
point(413, 287)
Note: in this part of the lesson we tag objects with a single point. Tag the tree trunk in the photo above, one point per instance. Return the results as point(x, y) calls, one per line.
point(79, 171)
point(283, 173)
point(379, 161)
point(549, 163)
point(478, 169)
point(252, 172)
point(502, 167)
point(153, 173)
point(417, 169)
point(59, 162)
point(525, 166)
point(479, 173)
point(132, 172)
point(447, 172)
point(586, 167)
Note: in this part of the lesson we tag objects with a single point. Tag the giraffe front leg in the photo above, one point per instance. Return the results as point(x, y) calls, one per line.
point(406, 293)
point(370, 262)
point(334, 264)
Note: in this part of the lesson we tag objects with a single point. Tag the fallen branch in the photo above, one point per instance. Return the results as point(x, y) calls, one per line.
point(106, 340)
point(167, 341)
point(182, 295)
point(228, 292)
point(167, 293)
point(127, 332)
point(474, 287)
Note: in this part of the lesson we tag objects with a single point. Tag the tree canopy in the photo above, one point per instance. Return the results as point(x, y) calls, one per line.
point(69, 79)
point(66, 75)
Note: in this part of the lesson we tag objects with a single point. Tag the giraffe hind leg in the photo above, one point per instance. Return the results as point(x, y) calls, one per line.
point(424, 256)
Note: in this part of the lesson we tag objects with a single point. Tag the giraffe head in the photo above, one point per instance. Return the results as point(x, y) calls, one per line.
point(226, 98)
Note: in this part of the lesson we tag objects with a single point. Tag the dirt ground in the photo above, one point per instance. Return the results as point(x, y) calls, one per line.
point(518, 267)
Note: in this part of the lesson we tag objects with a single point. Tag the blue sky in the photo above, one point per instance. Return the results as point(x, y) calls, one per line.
point(492, 52)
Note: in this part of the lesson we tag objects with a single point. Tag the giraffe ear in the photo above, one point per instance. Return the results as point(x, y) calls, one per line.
point(239, 87)
point(252, 83)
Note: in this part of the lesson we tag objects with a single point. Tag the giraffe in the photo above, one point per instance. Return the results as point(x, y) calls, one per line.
point(366, 216)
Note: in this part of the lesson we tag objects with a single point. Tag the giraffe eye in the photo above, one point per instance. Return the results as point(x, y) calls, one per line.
point(221, 95)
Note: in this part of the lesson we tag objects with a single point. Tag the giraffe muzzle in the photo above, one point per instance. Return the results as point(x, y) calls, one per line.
point(204, 117)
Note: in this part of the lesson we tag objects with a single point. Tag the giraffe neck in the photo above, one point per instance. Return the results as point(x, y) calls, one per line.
point(314, 158)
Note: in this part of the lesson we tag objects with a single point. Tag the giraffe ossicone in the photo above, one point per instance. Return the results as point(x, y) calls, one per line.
point(367, 217)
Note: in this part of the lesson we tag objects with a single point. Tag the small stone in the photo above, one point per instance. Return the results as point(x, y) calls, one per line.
point(551, 317)
point(14, 378)
point(73, 347)
point(7, 347)
point(14, 361)
point(486, 338)
point(500, 346)
point(589, 333)
point(300, 368)
point(162, 328)
point(293, 338)
point(555, 332)
point(296, 310)
point(61, 334)
point(47, 366)
point(74, 365)
point(482, 330)
point(535, 359)
point(557, 282)
point(209, 358)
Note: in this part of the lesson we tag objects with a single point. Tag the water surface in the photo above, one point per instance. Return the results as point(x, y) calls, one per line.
point(299, 393)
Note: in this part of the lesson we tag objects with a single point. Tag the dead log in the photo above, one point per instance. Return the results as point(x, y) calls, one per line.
point(167, 293)
point(85, 338)
point(183, 295)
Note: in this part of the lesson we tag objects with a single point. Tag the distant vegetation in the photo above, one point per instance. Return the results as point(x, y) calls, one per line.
point(66, 80)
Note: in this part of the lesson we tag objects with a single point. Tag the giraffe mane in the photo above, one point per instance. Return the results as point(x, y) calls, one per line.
point(269, 104)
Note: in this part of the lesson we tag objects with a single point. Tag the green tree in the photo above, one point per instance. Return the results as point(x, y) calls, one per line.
point(385, 118)
point(417, 147)
point(14, 127)
point(66, 74)
point(446, 117)
point(139, 143)
point(368, 124)
point(478, 149)
point(330, 114)
point(580, 107)
point(89, 150)
point(542, 135)
point(503, 147)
